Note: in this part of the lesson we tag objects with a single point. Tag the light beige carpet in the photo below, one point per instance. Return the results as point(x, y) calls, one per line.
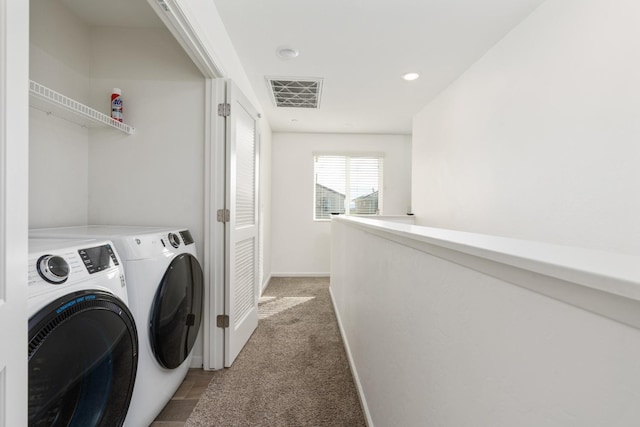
point(292, 372)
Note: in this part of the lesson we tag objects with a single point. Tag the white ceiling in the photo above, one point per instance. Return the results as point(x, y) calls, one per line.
point(361, 48)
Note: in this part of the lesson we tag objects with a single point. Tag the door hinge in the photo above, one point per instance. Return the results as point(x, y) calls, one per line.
point(224, 110)
point(223, 215)
point(222, 321)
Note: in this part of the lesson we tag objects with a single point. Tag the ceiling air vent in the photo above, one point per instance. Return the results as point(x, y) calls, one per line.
point(295, 93)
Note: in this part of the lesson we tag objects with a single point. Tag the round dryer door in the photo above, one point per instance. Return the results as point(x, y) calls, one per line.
point(83, 357)
point(177, 311)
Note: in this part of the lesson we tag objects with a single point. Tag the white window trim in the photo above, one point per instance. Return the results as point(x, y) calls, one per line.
point(373, 154)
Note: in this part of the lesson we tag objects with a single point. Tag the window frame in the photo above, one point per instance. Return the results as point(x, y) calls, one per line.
point(349, 154)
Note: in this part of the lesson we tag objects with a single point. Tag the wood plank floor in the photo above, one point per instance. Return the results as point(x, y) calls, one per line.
point(178, 409)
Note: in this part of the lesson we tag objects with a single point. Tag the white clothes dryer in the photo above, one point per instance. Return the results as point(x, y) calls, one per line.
point(83, 345)
point(165, 289)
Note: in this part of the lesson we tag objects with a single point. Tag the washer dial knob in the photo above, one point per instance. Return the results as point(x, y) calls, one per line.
point(54, 269)
point(174, 240)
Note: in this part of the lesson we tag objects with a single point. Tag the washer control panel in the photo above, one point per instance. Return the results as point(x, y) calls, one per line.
point(57, 266)
point(51, 264)
point(98, 258)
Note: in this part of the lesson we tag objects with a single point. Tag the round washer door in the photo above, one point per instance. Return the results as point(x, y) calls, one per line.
point(83, 358)
point(177, 311)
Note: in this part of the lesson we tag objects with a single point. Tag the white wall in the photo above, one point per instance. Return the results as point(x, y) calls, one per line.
point(434, 341)
point(301, 245)
point(539, 139)
point(60, 58)
point(58, 163)
point(60, 49)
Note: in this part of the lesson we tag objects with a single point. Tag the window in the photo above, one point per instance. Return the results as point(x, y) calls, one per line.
point(349, 185)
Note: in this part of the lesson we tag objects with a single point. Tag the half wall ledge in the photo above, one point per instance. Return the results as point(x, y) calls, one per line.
point(601, 282)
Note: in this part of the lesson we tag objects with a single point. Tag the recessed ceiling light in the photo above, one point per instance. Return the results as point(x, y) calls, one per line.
point(287, 53)
point(410, 76)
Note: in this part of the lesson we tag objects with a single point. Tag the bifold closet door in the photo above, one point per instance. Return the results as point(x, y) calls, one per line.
point(242, 226)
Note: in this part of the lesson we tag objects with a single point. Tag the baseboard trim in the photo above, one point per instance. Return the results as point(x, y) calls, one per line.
point(354, 371)
point(323, 274)
point(265, 283)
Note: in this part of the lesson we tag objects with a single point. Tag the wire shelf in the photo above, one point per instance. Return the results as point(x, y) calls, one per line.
point(53, 102)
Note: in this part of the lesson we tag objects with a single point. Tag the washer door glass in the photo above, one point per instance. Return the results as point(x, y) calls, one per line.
point(83, 357)
point(177, 311)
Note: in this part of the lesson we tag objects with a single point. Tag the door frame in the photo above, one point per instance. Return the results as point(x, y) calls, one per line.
point(215, 193)
point(14, 204)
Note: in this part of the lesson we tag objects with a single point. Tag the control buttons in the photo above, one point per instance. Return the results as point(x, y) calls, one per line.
point(174, 240)
point(112, 255)
point(53, 269)
point(86, 259)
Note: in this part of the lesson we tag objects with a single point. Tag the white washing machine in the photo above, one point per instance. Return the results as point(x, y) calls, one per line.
point(165, 289)
point(83, 345)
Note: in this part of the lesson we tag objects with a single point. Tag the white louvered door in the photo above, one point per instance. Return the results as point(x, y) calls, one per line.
point(241, 290)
